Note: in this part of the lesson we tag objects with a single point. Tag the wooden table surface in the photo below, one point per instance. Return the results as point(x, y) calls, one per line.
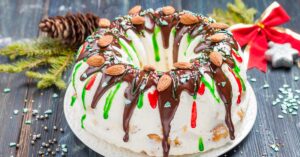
point(19, 19)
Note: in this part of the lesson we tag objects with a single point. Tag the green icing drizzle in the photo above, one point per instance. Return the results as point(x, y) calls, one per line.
point(83, 93)
point(126, 50)
point(107, 105)
point(133, 47)
point(210, 87)
point(83, 117)
point(173, 32)
point(189, 40)
point(195, 96)
point(78, 51)
point(73, 99)
point(200, 144)
point(155, 44)
point(109, 100)
point(74, 74)
point(140, 101)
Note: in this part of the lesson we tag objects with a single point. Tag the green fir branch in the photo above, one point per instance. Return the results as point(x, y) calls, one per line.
point(235, 13)
point(54, 75)
point(39, 47)
point(22, 65)
point(30, 56)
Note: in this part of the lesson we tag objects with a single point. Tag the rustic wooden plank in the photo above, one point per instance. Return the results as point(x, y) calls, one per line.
point(18, 20)
point(37, 12)
point(10, 127)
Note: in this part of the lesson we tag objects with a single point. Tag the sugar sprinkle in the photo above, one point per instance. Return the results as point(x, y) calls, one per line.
point(6, 90)
point(288, 100)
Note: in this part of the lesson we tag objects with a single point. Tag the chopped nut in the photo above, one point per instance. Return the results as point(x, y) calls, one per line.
point(155, 137)
point(241, 114)
point(219, 132)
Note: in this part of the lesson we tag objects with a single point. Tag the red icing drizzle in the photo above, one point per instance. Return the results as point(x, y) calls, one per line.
point(194, 115)
point(201, 89)
point(153, 97)
point(236, 56)
point(238, 81)
point(83, 47)
point(91, 82)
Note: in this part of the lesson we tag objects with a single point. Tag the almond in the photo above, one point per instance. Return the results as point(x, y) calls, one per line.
point(168, 10)
point(217, 37)
point(138, 20)
point(216, 58)
point(149, 68)
point(164, 82)
point(105, 40)
point(104, 22)
point(135, 10)
point(219, 25)
point(155, 137)
point(95, 61)
point(188, 19)
point(241, 114)
point(219, 132)
point(115, 70)
point(184, 129)
point(183, 65)
point(177, 142)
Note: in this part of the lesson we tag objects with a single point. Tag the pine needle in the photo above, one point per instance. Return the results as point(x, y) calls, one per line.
point(22, 65)
point(45, 52)
point(235, 13)
point(38, 47)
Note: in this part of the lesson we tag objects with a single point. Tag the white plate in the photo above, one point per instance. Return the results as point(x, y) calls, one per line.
point(102, 147)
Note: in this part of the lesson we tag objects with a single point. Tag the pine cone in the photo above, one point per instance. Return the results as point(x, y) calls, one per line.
point(71, 29)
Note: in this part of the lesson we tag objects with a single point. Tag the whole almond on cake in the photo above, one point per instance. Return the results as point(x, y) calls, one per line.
point(104, 22)
point(105, 40)
point(164, 82)
point(216, 58)
point(95, 61)
point(115, 70)
point(188, 19)
point(168, 10)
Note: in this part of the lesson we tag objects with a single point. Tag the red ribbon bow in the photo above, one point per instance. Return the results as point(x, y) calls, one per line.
point(257, 35)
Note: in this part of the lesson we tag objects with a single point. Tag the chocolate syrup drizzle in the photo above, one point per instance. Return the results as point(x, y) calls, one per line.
point(139, 81)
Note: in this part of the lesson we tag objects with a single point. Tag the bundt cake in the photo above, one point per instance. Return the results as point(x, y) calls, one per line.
point(160, 82)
